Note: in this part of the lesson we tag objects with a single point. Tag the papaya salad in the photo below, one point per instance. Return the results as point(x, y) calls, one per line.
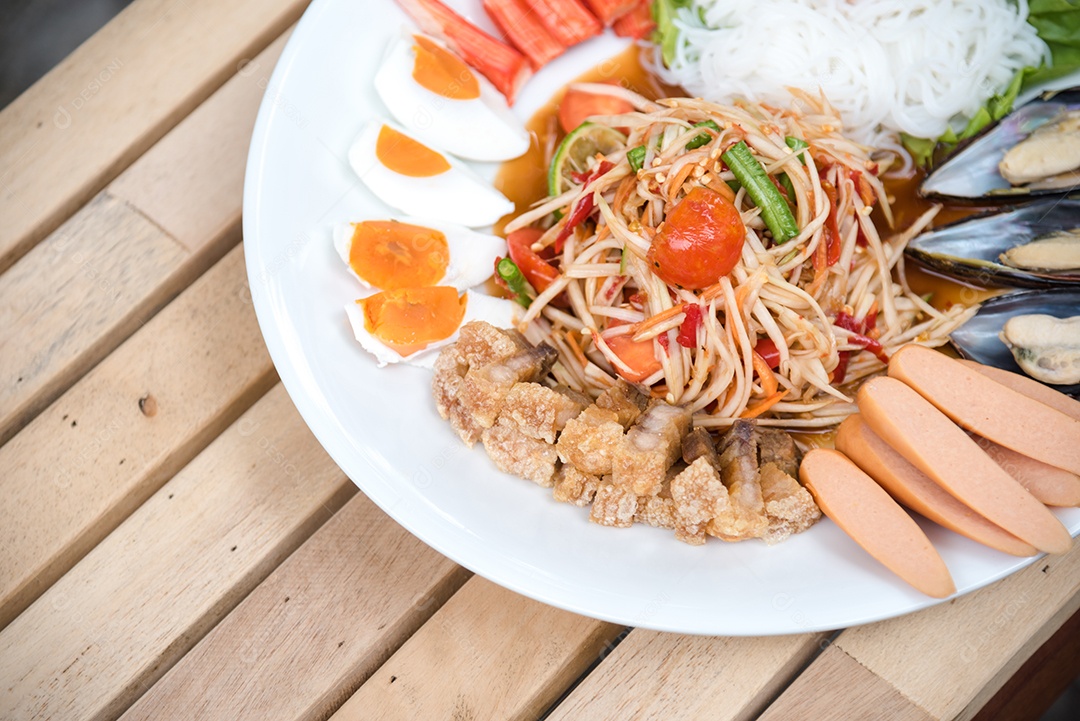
point(724, 257)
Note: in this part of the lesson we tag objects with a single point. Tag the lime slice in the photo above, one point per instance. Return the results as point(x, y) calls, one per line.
point(577, 149)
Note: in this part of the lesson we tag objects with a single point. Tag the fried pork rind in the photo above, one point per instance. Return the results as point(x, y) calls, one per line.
point(775, 446)
point(515, 452)
point(590, 440)
point(574, 486)
point(698, 443)
point(624, 400)
point(739, 472)
point(541, 412)
point(613, 506)
point(789, 507)
point(650, 448)
point(484, 389)
point(700, 497)
point(478, 345)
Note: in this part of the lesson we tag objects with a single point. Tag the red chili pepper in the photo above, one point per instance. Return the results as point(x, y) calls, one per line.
point(637, 300)
point(687, 337)
point(845, 321)
point(768, 352)
point(862, 185)
point(841, 368)
point(584, 207)
point(662, 339)
point(832, 228)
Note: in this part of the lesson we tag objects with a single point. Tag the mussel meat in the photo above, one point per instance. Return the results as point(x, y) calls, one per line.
point(980, 338)
point(1034, 150)
point(1045, 347)
point(1031, 246)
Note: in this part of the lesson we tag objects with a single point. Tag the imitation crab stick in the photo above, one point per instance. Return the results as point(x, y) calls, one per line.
point(988, 408)
point(1053, 486)
point(1029, 387)
point(637, 24)
point(874, 520)
point(912, 488)
point(936, 446)
point(568, 20)
point(523, 28)
point(608, 11)
point(505, 67)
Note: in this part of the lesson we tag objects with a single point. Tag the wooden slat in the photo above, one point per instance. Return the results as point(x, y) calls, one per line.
point(674, 677)
point(106, 103)
point(134, 605)
point(836, 688)
point(318, 626)
point(487, 654)
point(125, 428)
point(123, 256)
point(1032, 690)
point(951, 659)
point(945, 662)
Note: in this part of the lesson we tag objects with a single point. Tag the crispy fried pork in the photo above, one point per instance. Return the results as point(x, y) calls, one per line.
point(650, 447)
point(739, 472)
point(613, 506)
point(515, 452)
point(541, 412)
point(574, 486)
point(789, 507)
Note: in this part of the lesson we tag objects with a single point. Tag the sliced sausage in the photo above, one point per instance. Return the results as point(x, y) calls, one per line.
point(1029, 387)
point(936, 446)
point(874, 520)
point(1053, 486)
point(912, 488)
point(988, 408)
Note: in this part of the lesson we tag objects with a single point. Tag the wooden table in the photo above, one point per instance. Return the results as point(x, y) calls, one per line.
point(175, 544)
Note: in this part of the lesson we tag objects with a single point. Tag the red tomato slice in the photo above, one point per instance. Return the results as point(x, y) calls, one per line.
point(768, 352)
point(536, 270)
point(700, 242)
point(578, 105)
point(638, 355)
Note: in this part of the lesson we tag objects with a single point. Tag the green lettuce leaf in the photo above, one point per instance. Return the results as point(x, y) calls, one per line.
point(1058, 24)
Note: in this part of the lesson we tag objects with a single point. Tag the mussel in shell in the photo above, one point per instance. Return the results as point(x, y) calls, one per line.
point(1031, 246)
point(980, 338)
point(1045, 347)
point(1033, 151)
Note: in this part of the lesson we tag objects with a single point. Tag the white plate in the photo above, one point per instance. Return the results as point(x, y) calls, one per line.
point(381, 427)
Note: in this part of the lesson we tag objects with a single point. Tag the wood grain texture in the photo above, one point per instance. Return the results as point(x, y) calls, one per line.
point(191, 182)
point(952, 658)
point(135, 246)
point(653, 675)
point(487, 654)
point(125, 428)
point(309, 635)
point(102, 268)
point(72, 132)
point(836, 688)
point(140, 600)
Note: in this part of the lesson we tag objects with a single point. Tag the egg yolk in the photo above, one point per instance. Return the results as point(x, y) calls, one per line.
point(442, 72)
point(392, 255)
point(409, 319)
point(406, 156)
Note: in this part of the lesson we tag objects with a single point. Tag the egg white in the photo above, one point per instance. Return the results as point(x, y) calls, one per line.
point(472, 254)
point(457, 196)
point(479, 129)
point(499, 312)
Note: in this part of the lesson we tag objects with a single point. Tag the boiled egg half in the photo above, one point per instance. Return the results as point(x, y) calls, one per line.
point(412, 324)
point(419, 180)
point(412, 253)
point(434, 94)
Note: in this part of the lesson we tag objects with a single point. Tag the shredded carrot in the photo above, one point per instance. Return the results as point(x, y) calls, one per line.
point(765, 374)
point(677, 182)
point(712, 292)
point(757, 409)
point(622, 193)
point(643, 325)
point(575, 347)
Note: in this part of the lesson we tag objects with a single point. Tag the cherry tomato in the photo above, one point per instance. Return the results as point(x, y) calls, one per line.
point(700, 242)
point(577, 105)
point(536, 270)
